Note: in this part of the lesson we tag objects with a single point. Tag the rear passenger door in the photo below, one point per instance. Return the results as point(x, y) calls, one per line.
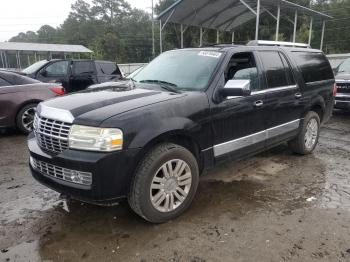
point(83, 75)
point(282, 97)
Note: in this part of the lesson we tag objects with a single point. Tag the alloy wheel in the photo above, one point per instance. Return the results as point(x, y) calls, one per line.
point(28, 118)
point(311, 133)
point(170, 185)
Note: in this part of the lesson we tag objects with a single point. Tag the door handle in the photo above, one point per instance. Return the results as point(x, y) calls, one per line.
point(258, 103)
point(298, 95)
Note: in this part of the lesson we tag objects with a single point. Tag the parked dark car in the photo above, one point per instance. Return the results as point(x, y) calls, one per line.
point(75, 75)
point(186, 111)
point(19, 96)
point(342, 78)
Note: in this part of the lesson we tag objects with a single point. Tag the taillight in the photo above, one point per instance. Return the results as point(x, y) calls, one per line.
point(335, 90)
point(59, 90)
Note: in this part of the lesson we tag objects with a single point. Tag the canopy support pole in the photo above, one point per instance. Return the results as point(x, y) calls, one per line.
point(248, 6)
point(6, 61)
point(35, 57)
point(278, 20)
point(2, 60)
point(200, 36)
point(19, 60)
point(257, 20)
point(182, 36)
point(28, 57)
point(153, 42)
point(233, 37)
point(310, 30)
point(322, 35)
point(295, 26)
point(217, 36)
point(161, 27)
point(160, 37)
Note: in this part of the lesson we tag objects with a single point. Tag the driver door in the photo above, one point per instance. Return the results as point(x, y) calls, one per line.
point(55, 72)
point(238, 122)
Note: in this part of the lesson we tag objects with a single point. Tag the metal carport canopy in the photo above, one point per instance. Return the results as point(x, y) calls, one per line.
point(40, 47)
point(227, 15)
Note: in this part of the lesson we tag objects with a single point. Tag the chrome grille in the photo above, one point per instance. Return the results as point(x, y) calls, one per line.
point(52, 135)
point(69, 175)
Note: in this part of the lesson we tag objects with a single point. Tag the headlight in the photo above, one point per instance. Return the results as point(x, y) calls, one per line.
point(95, 139)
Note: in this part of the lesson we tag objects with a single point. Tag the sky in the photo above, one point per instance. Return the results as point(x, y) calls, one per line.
point(29, 15)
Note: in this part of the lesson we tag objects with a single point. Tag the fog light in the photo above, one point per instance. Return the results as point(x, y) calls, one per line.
point(76, 177)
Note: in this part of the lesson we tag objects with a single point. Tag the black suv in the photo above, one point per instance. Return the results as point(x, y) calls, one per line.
point(150, 138)
point(75, 75)
point(342, 79)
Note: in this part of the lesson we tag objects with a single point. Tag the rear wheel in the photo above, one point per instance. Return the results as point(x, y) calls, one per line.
point(165, 183)
point(25, 118)
point(307, 138)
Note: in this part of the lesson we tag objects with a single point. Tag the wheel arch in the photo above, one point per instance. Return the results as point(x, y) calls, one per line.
point(317, 105)
point(23, 104)
point(179, 137)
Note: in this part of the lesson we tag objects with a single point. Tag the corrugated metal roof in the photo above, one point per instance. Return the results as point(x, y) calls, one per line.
point(224, 15)
point(15, 46)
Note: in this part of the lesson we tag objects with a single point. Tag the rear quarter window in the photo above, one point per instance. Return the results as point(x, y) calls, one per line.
point(107, 69)
point(313, 66)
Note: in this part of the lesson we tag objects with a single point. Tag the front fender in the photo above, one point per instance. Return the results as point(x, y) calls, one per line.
point(175, 125)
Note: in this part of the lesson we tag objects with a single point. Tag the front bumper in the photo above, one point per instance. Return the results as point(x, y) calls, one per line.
point(342, 101)
point(111, 172)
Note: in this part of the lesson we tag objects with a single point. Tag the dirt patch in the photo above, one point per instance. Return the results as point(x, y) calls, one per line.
point(276, 206)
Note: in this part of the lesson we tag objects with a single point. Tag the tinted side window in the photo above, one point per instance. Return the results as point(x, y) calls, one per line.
point(288, 70)
point(313, 66)
point(83, 67)
point(274, 69)
point(3, 82)
point(107, 69)
point(57, 68)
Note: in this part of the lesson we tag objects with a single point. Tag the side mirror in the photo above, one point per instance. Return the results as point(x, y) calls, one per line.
point(236, 88)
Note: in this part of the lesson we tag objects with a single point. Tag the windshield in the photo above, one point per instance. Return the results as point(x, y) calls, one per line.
point(181, 69)
point(34, 67)
point(344, 67)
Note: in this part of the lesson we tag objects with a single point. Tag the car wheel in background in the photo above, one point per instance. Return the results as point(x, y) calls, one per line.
point(307, 138)
point(165, 183)
point(25, 118)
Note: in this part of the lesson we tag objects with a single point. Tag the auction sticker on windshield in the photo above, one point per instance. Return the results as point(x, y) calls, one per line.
point(210, 54)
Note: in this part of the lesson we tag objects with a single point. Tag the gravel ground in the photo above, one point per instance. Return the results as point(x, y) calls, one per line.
point(276, 206)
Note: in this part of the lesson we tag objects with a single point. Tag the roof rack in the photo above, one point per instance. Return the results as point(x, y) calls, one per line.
point(277, 43)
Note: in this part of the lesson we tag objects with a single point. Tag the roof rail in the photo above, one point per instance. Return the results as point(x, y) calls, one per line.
point(277, 43)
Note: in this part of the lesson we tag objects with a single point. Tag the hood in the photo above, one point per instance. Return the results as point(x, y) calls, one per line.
point(93, 106)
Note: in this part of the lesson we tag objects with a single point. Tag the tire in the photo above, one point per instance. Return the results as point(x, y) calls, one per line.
point(307, 139)
point(143, 200)
point(25, 118)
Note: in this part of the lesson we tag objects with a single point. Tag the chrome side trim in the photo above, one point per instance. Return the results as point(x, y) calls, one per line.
point(342, 81)
point(342, 95)
point(255, 138)
point(269, 90)
point(55, 113)
point(282, 129)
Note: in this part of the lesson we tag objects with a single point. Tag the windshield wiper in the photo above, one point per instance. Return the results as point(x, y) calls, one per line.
point(163, 84)
point(133, 81)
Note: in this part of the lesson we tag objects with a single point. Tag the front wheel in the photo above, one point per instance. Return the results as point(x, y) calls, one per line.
point(165, 183)
point(25, 118)
point(308, 136)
